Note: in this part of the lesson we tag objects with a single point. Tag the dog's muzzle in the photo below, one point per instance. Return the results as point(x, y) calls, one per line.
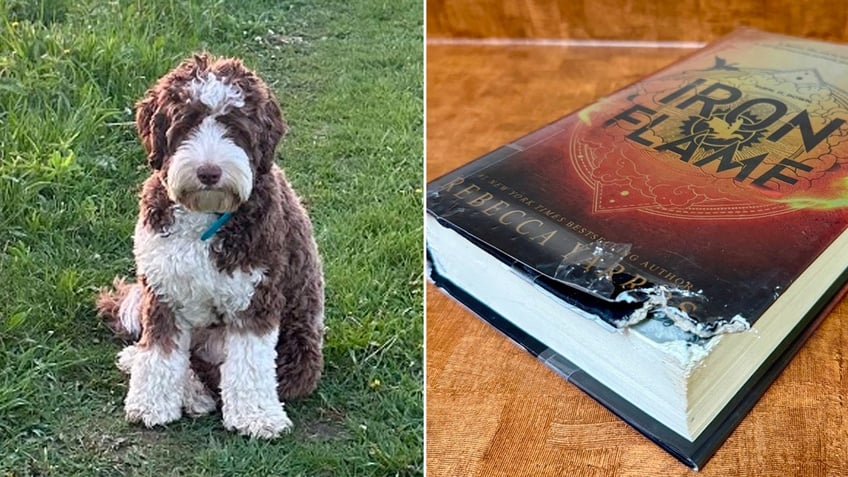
point(206, 188)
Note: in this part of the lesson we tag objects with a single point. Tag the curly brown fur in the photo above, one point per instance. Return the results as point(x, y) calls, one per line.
point(158, 322)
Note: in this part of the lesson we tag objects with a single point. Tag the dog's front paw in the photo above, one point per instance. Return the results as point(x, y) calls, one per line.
point(151, 397)
point(151, 414)
point(265, 422)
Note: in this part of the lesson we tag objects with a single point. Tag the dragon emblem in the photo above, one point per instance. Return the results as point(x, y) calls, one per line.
point(721, 129)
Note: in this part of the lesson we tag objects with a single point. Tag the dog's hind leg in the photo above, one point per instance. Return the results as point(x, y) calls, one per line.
point(197, 400)
point(300, 359)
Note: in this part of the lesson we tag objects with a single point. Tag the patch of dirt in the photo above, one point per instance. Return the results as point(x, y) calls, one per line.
point(324, 431)
point(329, 426)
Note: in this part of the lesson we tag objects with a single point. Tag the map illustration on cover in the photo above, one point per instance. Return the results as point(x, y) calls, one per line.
point(712, 185)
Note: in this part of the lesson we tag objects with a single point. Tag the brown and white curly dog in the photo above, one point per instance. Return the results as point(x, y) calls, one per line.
point(229, 296)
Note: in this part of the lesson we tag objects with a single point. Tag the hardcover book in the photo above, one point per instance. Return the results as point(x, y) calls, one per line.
point(670, 247)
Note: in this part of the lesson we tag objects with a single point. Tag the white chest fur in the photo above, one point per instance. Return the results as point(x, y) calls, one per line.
point(179, 268)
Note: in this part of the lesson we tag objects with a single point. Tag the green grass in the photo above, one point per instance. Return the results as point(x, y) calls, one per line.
point(349, 77)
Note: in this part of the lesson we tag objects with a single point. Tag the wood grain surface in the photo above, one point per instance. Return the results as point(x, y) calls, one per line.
point(492, 409)
point(663, 20)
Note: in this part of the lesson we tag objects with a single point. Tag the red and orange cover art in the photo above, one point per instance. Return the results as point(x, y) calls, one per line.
point(725, 175)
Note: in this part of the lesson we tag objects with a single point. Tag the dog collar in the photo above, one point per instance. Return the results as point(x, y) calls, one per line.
point(216, 225)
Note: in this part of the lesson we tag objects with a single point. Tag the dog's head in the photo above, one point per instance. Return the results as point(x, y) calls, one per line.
point(210, 127)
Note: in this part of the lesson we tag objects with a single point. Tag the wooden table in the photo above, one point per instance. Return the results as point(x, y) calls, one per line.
point(491, 408)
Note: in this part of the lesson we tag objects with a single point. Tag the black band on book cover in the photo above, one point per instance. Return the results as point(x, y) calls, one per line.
point(608, 311)
point(693, 454)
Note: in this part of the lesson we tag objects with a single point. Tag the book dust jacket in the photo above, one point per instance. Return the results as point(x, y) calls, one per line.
point(719, 179)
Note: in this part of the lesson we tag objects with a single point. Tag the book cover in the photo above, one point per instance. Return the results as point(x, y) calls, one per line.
point(697, 196)
point(725, 174)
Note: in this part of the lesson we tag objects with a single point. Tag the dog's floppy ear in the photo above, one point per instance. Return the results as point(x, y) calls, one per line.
point(273, 129)
point(151, 124)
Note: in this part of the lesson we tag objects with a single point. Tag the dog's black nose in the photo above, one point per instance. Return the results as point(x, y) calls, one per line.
point(208, 174)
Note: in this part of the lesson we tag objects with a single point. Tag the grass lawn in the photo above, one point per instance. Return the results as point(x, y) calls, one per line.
point(349, 77)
